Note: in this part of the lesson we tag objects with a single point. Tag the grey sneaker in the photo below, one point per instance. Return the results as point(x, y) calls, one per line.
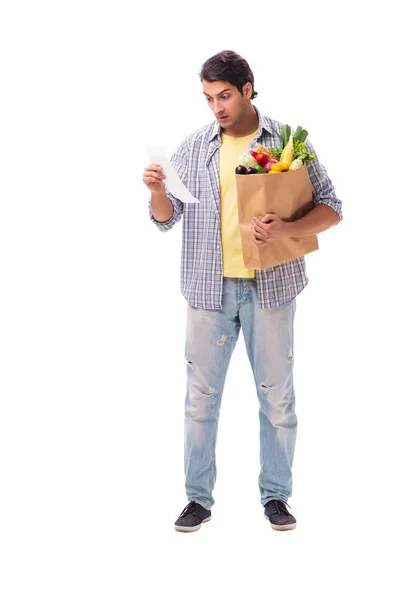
point(279, 516)
point(192, 517)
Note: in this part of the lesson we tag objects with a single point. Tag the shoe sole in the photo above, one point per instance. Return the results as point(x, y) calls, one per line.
point(184, 529)
point(281, 527)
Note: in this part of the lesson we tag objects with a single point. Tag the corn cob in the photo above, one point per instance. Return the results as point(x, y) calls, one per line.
point(287, 154)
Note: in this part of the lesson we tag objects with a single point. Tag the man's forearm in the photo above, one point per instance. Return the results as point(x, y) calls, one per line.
point(320, 218)
point(161, 206)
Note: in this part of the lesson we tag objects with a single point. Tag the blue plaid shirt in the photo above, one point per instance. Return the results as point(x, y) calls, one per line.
point(196, 161)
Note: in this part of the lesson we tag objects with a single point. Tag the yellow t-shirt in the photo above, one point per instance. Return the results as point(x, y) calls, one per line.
point(229, 153)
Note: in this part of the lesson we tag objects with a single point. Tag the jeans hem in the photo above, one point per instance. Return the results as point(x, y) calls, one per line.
point(264, 502)
point(205, 505)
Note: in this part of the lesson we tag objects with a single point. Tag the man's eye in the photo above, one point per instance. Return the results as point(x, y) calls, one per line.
point(224, 97)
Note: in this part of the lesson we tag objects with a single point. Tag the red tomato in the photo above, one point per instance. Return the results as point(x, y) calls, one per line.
point(261, 158)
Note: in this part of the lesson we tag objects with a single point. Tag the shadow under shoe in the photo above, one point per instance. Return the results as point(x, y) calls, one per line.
point(192, 517)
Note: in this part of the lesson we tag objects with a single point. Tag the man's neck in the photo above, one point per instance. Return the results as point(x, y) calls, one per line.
point(247, 125)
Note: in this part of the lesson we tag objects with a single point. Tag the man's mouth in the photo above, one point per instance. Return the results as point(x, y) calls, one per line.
point(223, 118)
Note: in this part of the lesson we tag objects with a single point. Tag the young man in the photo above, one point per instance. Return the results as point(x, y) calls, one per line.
point(224, 296)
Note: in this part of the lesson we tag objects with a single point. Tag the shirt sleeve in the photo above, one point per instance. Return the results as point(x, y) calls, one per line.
point(323, 190)
point(179, 161)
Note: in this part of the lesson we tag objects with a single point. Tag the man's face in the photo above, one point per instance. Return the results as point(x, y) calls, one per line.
point(226, 102)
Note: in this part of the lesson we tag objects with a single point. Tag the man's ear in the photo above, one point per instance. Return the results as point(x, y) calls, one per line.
point(247, 89)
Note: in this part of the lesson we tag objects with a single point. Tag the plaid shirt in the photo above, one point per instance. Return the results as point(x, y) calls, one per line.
point(196, 161)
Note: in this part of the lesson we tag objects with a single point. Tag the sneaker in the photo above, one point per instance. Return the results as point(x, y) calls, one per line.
point(278, 515)
point(192, 517)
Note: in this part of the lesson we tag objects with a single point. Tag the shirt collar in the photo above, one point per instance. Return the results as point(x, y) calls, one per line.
point(263, 123)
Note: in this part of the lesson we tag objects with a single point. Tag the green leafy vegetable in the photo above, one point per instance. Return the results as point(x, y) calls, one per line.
point(276, 152)
point(299, 138)
point(301, 152)
point(285, 134)
point(297, 133)
point(300, 134)
point(303, 135)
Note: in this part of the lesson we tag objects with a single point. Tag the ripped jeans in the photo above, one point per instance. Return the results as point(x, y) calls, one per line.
point(211, 337)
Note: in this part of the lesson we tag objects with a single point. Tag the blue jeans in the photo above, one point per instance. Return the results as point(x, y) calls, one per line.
point(210, 339)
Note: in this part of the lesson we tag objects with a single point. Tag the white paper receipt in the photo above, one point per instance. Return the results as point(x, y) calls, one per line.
point(158, 156)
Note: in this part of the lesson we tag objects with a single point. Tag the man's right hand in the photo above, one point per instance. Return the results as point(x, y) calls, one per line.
point(153, 177)
point(160, 205)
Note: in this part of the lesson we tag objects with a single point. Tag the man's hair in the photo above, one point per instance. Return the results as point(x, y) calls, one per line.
point(228, 66)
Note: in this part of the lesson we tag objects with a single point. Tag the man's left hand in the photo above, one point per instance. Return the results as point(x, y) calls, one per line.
point(268, 229)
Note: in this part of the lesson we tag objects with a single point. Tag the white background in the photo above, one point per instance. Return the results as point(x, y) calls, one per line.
point(93, 321)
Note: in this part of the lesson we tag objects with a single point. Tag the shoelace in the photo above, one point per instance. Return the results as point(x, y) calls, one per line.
point(191, 507)
point(280, 506)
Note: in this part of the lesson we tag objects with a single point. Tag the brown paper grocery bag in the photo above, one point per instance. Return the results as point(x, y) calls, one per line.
point(288, 195)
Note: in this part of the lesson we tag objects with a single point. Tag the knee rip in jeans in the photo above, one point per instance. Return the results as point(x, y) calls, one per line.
point(221, 341)
point(208, 393)
point(199, 409)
